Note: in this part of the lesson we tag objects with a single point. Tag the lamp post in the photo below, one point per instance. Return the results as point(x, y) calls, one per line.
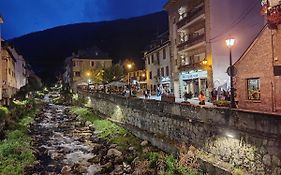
point(230, 42)
point(88, 74)
point(129, 67)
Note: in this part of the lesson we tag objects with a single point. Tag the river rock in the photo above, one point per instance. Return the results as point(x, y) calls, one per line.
point(144, 143)
point(118, 170)
point(94, 169)
point(131, 148)
point(88, 123)
point(66, 170)
point(114, 152)
point(267, 160)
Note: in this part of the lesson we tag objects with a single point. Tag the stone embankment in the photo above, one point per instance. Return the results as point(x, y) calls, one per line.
point(239, 141)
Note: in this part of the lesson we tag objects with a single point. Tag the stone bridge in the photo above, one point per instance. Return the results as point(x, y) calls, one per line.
point(233, 141)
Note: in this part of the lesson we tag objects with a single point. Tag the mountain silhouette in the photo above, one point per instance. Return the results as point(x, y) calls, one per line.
point(121, 39)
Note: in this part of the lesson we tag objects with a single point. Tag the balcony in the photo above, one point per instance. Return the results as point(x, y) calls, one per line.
point(191, 16)
point(193, 39)
point(274, 14)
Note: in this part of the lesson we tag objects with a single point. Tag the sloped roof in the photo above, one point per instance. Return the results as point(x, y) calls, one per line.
point(252, 44)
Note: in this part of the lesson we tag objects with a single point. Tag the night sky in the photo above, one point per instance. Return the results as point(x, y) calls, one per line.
point(25, 16)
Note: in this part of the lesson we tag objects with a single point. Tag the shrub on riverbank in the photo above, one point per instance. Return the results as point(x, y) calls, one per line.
point(16, 150)
point(107, 129)
point(3, 112)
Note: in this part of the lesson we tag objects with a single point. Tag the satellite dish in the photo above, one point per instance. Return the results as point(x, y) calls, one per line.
point(234, 71)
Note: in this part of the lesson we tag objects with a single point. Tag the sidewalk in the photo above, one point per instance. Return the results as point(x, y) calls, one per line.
point(193, 101)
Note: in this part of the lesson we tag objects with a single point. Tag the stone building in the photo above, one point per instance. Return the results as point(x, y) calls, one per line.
point(79, 67)
point(158, 62)
point(20, 68)
point(258, 81)
point(138, 77)
point(198, 29)
point(9, 82)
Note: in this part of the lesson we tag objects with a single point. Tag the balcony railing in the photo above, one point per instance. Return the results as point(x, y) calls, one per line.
point(193, 39)
point(274, 14)
point(191, 16)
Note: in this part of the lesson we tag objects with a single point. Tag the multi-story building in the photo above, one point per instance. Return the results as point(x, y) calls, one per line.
point(198, 30)
point(20, 68)
point(80, 66)
point(258, 79)
point(138, 77)
point(158, 63)
point(9, 83)
point(189, 26)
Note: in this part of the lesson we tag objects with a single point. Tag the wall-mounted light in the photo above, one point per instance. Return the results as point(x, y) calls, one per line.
point(205, 62)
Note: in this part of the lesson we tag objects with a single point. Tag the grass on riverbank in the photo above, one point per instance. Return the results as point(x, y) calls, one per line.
point(108, 130)
point(16, 150)
point(163, 163)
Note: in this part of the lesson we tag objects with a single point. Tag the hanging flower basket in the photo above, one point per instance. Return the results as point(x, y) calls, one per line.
point(274, 14)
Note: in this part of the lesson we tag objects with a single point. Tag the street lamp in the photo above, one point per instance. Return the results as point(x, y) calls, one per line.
point(230, 42)
point(129, 67)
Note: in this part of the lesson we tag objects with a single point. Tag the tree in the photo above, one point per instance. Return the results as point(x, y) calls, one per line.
point(113, 73)
point(94, 75)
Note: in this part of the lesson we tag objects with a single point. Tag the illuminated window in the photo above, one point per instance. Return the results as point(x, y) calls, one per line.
point(150, 75)
point(253, 86)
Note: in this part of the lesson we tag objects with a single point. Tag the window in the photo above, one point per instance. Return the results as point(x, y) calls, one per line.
point(158, 72)
point(152, 58)
point(92, 63)
point(162, 72)
point(253, 86)
point(9, 71)
point(164, 53)
point(77, 74)
point(167, 71)
point(158, 57)
point(150, 75)
point(73, 63)
point(148, 60)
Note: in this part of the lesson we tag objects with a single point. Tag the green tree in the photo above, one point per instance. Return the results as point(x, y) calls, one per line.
point(113, 73)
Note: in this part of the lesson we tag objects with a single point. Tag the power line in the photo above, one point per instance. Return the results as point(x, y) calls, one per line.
point(237, 21)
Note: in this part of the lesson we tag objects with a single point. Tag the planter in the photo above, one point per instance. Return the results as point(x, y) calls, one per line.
point(168, 98)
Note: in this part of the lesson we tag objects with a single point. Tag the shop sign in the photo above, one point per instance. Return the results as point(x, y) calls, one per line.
point(196, 75)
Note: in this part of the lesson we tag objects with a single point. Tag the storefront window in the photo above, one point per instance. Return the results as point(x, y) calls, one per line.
point(253, 85)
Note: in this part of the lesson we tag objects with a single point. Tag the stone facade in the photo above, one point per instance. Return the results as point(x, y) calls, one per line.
point(248, 141)
point(80, 67)
point(158, 63)
point(258, 63)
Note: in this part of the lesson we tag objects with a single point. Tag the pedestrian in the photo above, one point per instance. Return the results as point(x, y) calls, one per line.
point(145, 94)
point(201, 98)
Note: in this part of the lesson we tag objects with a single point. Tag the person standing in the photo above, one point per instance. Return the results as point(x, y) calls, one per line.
point(202, 98)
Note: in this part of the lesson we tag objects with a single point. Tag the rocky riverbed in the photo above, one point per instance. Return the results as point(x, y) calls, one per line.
point(65, 145)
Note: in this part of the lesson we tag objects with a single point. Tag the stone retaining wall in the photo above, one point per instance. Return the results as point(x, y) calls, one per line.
point(242, 141)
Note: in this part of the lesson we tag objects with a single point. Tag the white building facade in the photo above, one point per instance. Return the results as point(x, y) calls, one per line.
point(158, 64)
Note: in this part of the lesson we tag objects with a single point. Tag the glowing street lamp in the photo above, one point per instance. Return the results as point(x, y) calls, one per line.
point(230, 43)
point(129, 67)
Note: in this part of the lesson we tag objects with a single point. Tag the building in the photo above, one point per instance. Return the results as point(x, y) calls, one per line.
point(1, 40)
point(9, 82)
point(79, 67)
point(138, 77)
point(258, 79)
point(189, 26)
point(20, 69)
point(158, 63)
point(198, 30)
